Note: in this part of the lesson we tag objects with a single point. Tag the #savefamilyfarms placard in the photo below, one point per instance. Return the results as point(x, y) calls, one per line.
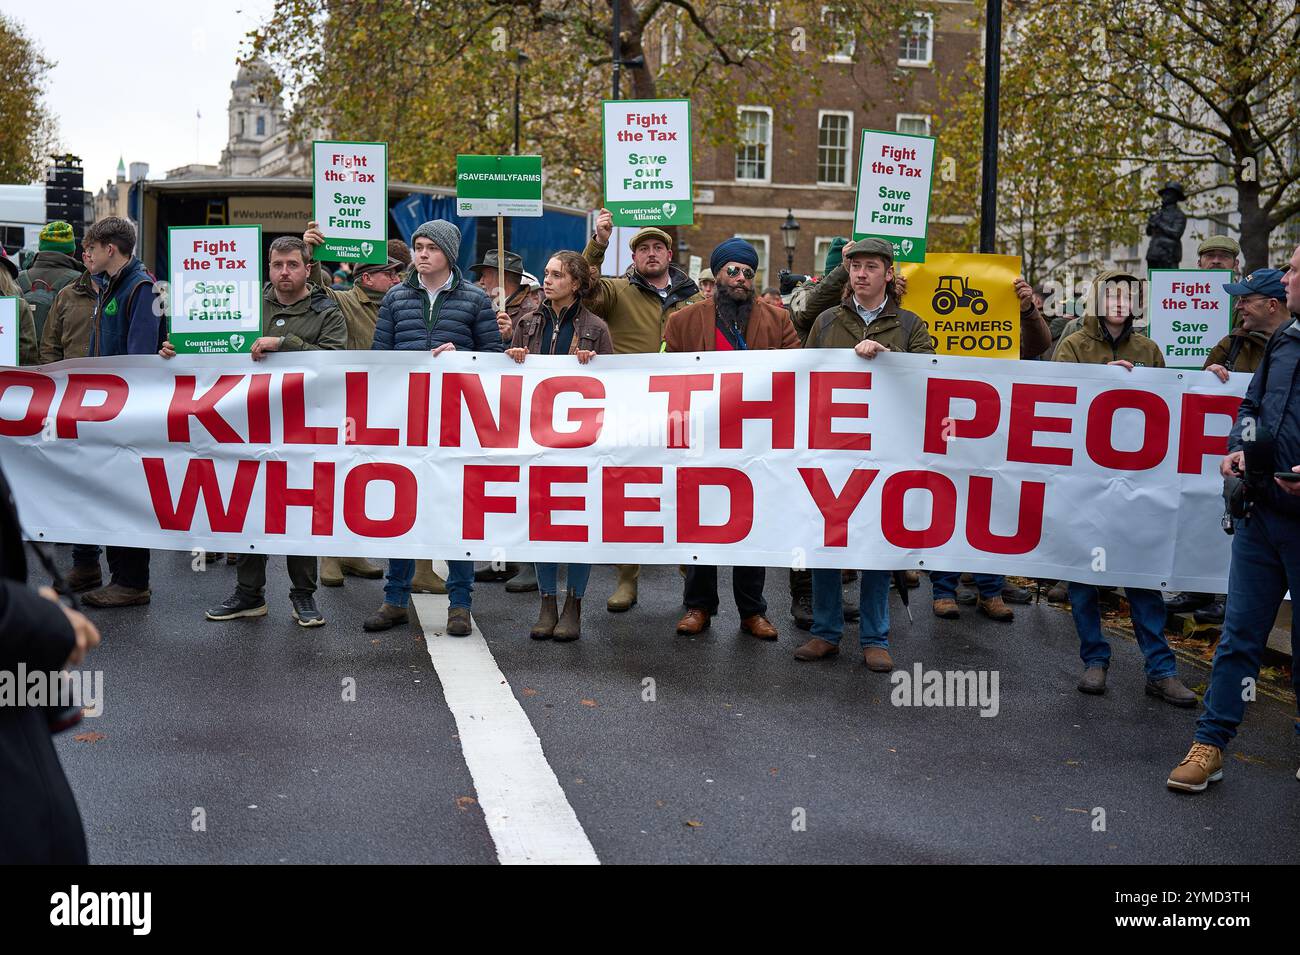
point(1190, 313)
point(215, 288)
point(350, 201)
point(648, 161)
point(894, 177)
point(499, 185)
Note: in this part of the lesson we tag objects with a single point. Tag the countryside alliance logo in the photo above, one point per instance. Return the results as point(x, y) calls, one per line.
point(236, 342)
point(670, 209)
point(366, 249)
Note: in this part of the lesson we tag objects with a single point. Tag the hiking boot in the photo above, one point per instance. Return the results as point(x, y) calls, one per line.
point(331, 572)
point(946, 609)
point(912, 578)
point(1093, 681)
point(231, 559)
point(385, 618)
point(1172, 691)
point(1202, 765)
point(1212, 613)
point(115, 595)
point(759, 626)
point(816, 649)
point(81, 579)
point(693, 622)
point(967, 596)
point(459, 623)
point(237, 605)
point(305, 612)
point(877, 659)
point(1059, 593)
point(801, 610)
point(360, 567)
point(624, 596)
point(524, 582)
point(995, 609)
point(547, 618)
point(1016, 595)
point(570, 625)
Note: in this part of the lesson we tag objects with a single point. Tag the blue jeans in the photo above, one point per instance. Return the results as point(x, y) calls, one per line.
point(548, 579)
point(1147, 609)
point(945, 583)
point(460, 582)
point(828, 607)
point(1265, 561)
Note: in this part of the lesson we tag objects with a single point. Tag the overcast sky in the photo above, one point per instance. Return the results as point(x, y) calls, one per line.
point(131, 74)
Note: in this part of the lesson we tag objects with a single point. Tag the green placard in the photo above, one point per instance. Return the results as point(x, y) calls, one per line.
point(214, 292)
point(499, 185)
point(647, 149)
point(895, 174)
point(350, 201)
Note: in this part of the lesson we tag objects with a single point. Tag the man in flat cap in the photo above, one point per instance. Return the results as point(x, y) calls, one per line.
point(635, 308)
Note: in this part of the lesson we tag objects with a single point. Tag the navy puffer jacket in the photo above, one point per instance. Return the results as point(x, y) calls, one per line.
point(462, 315)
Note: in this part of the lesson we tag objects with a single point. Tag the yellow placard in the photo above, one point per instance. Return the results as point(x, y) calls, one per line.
point(968, 301)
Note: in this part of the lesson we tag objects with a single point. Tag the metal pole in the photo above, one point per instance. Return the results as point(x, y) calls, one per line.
point(616, 43)
point(989, 165)
point(518, 72)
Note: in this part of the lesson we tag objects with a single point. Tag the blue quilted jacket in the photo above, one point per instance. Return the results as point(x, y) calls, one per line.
point(462, 315)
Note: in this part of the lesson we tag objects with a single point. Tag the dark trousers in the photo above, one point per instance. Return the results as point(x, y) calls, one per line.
point(701, 592)
point(85, 555)
point(251, 574)
point(129, 566)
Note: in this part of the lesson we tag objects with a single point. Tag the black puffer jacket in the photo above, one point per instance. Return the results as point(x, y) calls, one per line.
point(462, 315)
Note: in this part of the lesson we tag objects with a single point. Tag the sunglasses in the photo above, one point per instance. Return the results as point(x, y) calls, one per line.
point(734, 270)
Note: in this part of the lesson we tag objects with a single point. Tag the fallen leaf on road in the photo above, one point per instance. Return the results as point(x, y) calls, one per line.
point(91, 737)
point(464, 802)
point(374, 643)
point(694, 823)
point(526, 691)
point(590, 703)
point(1245, 758)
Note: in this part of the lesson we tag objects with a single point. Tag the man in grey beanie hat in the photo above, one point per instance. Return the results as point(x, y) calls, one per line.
point(433, 309)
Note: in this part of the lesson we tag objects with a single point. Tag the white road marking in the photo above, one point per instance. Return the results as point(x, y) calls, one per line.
point(527, 813)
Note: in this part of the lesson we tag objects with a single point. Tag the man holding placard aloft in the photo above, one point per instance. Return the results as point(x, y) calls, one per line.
point(350, 201)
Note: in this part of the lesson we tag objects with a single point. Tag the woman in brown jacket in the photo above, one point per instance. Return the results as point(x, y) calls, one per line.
point(562, 326)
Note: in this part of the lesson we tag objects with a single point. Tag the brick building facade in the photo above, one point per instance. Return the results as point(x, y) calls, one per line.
point(810, 169)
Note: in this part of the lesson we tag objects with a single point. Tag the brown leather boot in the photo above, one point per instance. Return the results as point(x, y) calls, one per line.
point(693, 622)
point(84, 578)
point(912, 578)
point(946, 609)
point(425, 580)
point(115, 595)
point(385, 618)
point(877, 659)
point(547, 618)
point(331, 574)
point(996, 609)
point(759, 626)
point(816, 649)
point(570, 625)
point(624, 596)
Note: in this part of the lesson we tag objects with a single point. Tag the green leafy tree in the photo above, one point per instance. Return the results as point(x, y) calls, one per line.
point(28, 130)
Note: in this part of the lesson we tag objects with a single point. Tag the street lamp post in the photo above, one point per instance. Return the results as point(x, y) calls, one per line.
point(789, 238)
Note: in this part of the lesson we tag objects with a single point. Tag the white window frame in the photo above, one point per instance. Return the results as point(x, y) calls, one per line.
point(819, 256)
point(762, 245)
point(838, 55)
point(767, 155)
point(899, 117)
point(848, 154)
point(929, 41)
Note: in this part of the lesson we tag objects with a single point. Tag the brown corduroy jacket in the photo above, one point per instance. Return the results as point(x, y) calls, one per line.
point(693, 328)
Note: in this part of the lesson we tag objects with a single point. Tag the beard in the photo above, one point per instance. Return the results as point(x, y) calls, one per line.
point(733, 304)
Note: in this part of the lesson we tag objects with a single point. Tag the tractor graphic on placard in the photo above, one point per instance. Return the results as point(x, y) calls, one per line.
point(954, 291)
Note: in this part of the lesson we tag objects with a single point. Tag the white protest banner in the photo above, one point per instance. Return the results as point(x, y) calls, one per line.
point(1189, 313)
point(895, 171)
point(350, 201)
point(9, 331)
point(815, 458)
point(648, 161)
point(215, 289)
